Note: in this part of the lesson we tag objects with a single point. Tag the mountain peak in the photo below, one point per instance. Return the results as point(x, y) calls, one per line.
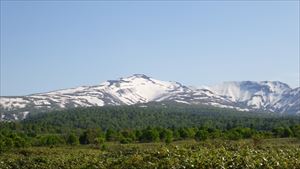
point(272, 96)
point(140, 76)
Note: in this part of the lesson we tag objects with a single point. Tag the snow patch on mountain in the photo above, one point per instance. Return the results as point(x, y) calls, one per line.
point(257, 95)
point(269, 96)
point(13, 103)
point(138, 89)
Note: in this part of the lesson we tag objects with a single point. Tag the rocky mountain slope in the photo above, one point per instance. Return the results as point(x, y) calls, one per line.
point(246, 96)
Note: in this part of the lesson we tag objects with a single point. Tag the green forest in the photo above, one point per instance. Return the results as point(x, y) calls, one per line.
point(166, 125)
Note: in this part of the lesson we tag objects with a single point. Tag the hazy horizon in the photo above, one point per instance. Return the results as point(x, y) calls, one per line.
point(53, 45)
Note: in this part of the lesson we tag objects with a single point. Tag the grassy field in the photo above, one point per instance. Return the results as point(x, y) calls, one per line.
point(269, 153)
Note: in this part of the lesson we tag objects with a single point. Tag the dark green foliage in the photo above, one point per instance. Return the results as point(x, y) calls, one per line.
point(234, 135)
point(149, 135)
point(50, 140)
point(134, 124)
point(129, 134)
point(201, 135)
point(12, 139)
point(176, 134)
point(72, 139)
point(155, 115)
point(126, 140)
point(166, 135)
point(287, 132)
point(296, 131)
point(215, 133)
point(112, 135)
point(282, 132)
point(245, 132)
point(183, 133)
point(278, 132)
point(89, 136)
point(99, 141)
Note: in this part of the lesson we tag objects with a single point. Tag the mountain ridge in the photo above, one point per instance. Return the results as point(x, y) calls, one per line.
point(269, 96)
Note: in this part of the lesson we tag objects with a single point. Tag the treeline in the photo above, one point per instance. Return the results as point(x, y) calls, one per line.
point(154, 115)
point(96, 137)
point(143, 123)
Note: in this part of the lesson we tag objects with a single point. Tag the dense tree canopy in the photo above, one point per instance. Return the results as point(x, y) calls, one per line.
point(154, 115)
point(134, 124)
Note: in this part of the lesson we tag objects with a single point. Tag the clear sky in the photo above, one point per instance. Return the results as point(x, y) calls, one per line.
point(53, 45)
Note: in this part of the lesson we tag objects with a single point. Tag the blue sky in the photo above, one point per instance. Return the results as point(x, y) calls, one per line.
point(53, 45)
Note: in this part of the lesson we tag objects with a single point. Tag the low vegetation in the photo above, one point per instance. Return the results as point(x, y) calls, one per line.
point(270, 153)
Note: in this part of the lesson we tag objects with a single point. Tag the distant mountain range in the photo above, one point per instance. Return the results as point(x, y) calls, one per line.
point(265, 96)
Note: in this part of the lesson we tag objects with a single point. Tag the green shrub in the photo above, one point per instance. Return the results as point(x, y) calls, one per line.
point(201, 135)
point(50, 140)
point(72, 139)
point(126, 140)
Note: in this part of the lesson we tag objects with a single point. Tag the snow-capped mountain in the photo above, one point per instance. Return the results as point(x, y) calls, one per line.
point(255, 95)
point(289, 102)
point(138, 88)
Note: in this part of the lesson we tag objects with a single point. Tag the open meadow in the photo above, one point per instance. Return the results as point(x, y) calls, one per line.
point(250, 153)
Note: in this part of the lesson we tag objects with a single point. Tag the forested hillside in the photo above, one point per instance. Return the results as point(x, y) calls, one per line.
point(168, 115)
point(148, 128)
